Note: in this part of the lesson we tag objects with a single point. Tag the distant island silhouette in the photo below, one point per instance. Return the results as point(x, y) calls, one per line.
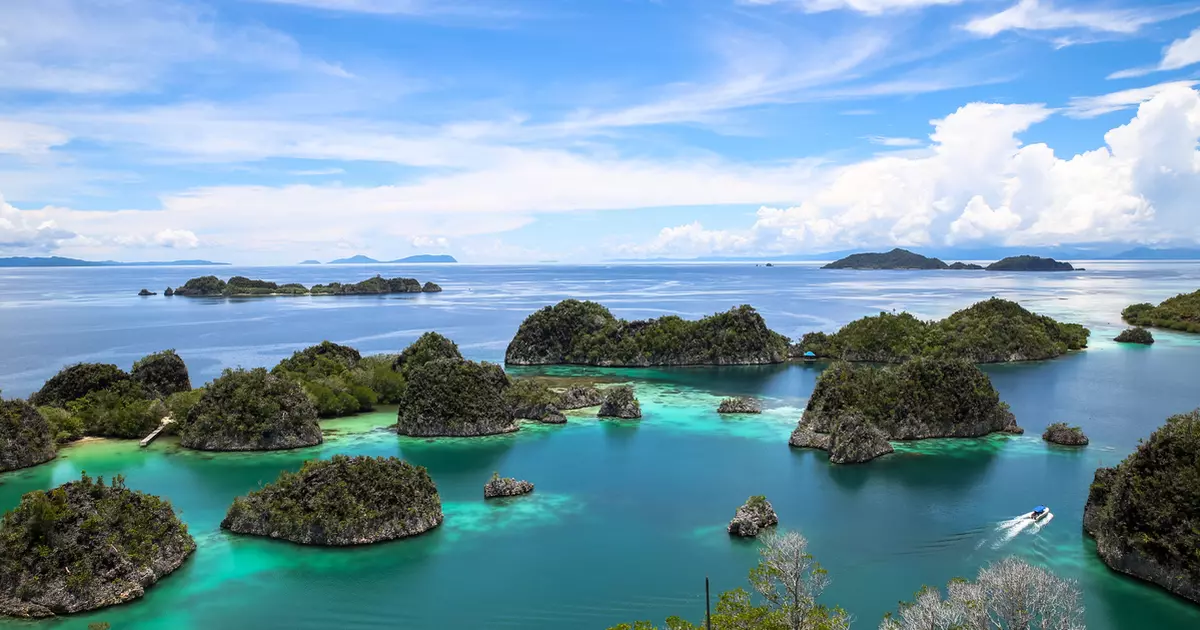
point(59, 261)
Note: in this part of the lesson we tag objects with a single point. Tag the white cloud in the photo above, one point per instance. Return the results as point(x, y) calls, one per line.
point(24, 138)
point(24, 232)
point(869, 7)
point(1181, 53)
point(1042, 15)
point(479, 8)
point(1092, 106)
point(177, 239)
point(980, 184)
point(430, 242)
point(889, 141)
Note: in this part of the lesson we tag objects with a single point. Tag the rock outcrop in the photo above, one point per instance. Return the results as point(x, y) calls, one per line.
point(529, 399)
point(1061, 433)
point(619, 402)
point(341, 501)
point(86, 545)
point(1143, 513)
point(455, 398)
point(752, 517)
point(586, 333)
point(499, 486)
point(146, 292)
point(161, 374)
point(1137, 334)
point(25, 437)
point(860, 409)
point(579, 397)
point(251, 410)
point(740, 404)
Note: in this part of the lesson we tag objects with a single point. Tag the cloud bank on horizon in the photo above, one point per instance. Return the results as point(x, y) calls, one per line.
point(270, 131)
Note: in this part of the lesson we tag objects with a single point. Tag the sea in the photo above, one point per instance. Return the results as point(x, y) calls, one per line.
point(628, 518)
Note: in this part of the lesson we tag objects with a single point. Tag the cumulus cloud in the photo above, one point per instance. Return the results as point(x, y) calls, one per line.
point(1181, 53)
point(177, 239)
point(981, 184)
point(20, 231)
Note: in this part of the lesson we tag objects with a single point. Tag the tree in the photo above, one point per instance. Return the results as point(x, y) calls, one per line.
point(1008, 595)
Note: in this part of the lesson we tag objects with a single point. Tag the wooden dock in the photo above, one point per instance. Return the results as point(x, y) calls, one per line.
point(150, 438)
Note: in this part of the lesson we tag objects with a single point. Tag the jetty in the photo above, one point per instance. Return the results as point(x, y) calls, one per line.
point(154, 434)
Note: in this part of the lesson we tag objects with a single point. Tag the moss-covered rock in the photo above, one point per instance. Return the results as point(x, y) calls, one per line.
point(498, 487)
point(579, 397)
point(455, 397)
point(754, 515)
point(529, 399)
point(740, 404)
point(992, 331)
point(1181, 312)
point(341, 501)
point(1061, 433)
point(26, 438)
point(854, 441)
point(251, 410)
point(76, 381)
point(620, 402)
point(1137, 334)
point(586, 333)
point(1145, 512)
point(428, 347)
point(86, 545)
point(162, 374)
point(923, 398)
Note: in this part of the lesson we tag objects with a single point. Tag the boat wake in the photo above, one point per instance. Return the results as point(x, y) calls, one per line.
point(1009, 529)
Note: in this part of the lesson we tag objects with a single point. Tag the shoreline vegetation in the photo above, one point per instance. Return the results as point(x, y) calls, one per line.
point(1181, 313)
point(241, 286)
point(900, 258)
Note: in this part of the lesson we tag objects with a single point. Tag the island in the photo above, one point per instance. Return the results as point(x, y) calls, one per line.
point(579, 397)
point(1143, 512)
point(146, 292)
point(1029, 263)
point(619, 402)
point(250, 410)
point(341, 501)
point(59, 261)
point(454, 398)
point(896, 259)
point(241, 286)
point(309, 262)
point(1137, 334)
point(86, 545)
point(586, 333)
point(1181, 312)
point(529, 399)
point(1065, 435)
point(25, 436)
point(359, 259)
point(855, 410)
point(161, 374)
point(754, 515)
point(740, 404)
point(992, 331)
point(498, 487)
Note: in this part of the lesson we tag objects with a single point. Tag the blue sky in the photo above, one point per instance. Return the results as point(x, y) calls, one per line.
point(270, 131)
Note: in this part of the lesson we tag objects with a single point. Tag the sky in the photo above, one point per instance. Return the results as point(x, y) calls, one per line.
point(273, 131)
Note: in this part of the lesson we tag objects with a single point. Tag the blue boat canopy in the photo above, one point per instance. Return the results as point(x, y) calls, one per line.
point(809, 354)
point(1040, 508)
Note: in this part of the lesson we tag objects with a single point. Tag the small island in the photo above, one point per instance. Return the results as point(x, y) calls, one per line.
point(586, 333)
point(146, 292)
point(992, 331)
point(1137, 334)
point(454, 398)
point(1065, 435)
point(1181, 312)
point(1143, 512)
point(161, 374)
point(1029, 263)
point(250, 410)
point(619, 402)
point(25, 436)
point(341, 501)
point(241, 286)
point(532, 400)
point(86, 545)
point(579, 397)
point(855, 411)
point(498, 487)
point(752, 517)
point(740, 404)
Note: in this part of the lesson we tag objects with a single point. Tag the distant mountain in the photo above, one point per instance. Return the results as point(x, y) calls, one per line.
point(59, 261)
point(1076, 251)
point(1029, 263)
point(419, 258)
point(310, 262)
point(1169, 253)
point(895, 259)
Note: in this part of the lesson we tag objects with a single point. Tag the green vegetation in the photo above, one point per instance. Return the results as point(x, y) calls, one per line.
point(454, 397)
point(426, 348)
point(1181, 312)
point(241, 286)
point(896, 259)
point(125, 410)
point(76, 381)
point(86, 545)
point(1145, 512)
point(531, 399)
point(992, 331)
point(26, 439)
point(1062, 433)
point(64, 425)
point(575, 332)
point(1137, 334)
point(341, 501)
point(161, 374)
point(340, 381)
point(250, 410)
point(1029, 263)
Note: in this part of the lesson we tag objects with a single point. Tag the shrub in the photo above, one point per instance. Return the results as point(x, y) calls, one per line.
point(64, 425)
point(124, 410)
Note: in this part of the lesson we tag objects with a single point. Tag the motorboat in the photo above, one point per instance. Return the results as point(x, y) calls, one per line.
point(1040, 512)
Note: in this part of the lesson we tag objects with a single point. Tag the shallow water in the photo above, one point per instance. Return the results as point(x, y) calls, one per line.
point(628, 517)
